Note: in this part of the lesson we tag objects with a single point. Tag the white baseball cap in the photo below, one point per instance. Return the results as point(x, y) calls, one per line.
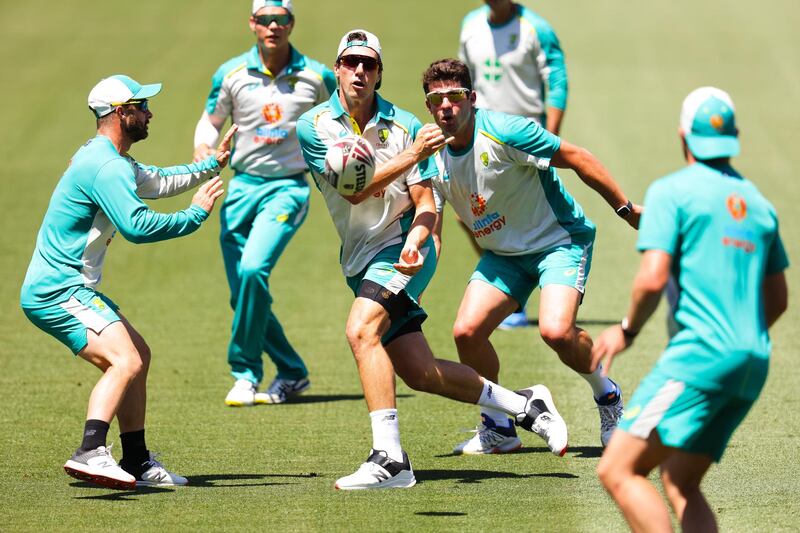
point(351, 39)
point(117, 90)
point(708, 121)
point(285, 4)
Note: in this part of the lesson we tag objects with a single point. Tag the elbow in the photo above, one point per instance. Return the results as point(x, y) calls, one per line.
point(134, 236)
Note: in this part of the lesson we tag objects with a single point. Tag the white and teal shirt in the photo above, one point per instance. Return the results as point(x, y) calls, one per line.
point(99, 194)
point(266, 107)
point(503, 188)
point(517, 67)
point(384, 219)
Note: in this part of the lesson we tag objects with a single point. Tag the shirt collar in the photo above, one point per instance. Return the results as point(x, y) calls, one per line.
point(385, 108)
point(296, 62)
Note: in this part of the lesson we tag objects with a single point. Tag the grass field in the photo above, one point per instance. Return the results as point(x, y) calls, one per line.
point(630, 65)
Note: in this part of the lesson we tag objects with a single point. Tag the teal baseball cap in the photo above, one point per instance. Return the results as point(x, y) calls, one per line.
point(708, 122)
point(116, 90)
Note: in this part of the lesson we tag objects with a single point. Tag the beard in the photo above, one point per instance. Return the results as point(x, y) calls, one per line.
point(135, 130)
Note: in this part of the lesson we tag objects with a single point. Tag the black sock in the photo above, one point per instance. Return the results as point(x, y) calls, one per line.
point(94, 434)
point(134, 449)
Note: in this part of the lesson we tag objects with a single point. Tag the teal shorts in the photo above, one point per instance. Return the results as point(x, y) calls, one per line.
point(68, 318)
point(693, 420)
point(381, 272)
point(518, 275)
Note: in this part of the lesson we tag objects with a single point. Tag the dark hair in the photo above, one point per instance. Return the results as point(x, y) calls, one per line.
point(447, 70)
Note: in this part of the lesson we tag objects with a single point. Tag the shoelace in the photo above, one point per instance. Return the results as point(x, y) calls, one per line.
point(107, 458)
point(486, 435)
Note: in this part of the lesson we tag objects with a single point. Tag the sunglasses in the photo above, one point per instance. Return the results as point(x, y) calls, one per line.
point(142, 105)
point(283, 19)
point(353, 60)
point(453, 96)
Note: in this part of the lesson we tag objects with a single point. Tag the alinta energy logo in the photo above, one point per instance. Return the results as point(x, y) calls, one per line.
point(272, 112)
point(738, 235)
point(477, 203)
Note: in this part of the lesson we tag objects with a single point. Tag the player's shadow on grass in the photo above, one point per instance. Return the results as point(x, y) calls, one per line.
point(119, 495)
point(579, 452)
point(477, 476)
point(323, 398)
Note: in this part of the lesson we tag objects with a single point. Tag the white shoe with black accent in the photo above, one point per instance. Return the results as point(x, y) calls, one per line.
point(541, 417)
point(242, 394)
point(379, 472)
point(157, 475)
point(281, 390)
point(489, 438)
point(99, 467)
point(611, 410)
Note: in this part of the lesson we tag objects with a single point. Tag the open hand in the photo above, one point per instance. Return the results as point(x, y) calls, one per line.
point(223, 152)
point(207, 194)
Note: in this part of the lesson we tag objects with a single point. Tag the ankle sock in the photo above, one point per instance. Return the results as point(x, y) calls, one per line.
point(94, 434)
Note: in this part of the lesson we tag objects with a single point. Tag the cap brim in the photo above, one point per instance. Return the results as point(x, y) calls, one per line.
point(712, 147)
point(147, 91)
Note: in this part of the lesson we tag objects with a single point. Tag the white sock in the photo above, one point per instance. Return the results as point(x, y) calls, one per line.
point(386, 433)
point(600, 384)
point(496, 397)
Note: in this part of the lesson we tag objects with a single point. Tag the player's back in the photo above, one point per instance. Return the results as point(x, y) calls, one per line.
point(725, 238)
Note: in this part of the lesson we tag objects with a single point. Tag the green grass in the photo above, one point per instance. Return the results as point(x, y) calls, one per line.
point(630, 65)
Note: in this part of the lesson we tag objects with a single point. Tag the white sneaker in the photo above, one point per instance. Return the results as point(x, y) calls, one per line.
point(98, 466)
point(542, 418)
point(489, 438)
point(242, 394)
point(379, 472)
point(158, 476)
point(281, 390)
point(611, 410)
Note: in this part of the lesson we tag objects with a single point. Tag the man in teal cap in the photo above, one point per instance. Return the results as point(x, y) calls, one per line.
point(99, 194)
point(264, 90)
point(712, 240)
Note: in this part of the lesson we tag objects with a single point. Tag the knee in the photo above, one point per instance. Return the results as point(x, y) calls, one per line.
point(609, 474)
point(559, 336)
point(678, 489)
point(251, 271)
point(361, 335)
point(466, 333)
point(130, 364)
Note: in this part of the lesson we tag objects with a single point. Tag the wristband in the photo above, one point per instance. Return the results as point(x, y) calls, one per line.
point(625, 210)
point(630, 335)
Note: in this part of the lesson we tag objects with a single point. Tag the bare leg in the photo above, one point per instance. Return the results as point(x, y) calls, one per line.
point(681, 475)
point(482, 309)
point(368, 320)
point(623, 471)
point(558, 309)
point(131, 413)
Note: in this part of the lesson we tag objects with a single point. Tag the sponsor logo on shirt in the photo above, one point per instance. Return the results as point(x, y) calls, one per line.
point(737, 236)
point(493, 70)
point(383, 135)
point(265, 135)
point(736, 204)
point(272, 112)
point(487, 224)
point(485, 159)
point(477, 203)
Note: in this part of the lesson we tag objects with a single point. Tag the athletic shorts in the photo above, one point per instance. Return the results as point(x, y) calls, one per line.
point(398, 293)
point(68, 319)
point(693, 420)
point(518, 275)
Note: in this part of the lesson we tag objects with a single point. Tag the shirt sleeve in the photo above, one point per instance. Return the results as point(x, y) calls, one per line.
point(219, 101)
point(313, 148)
point(777, 259)
point(155, 182)
point(550, 60)
point(114, 190)
point(659, 227)
point(426, 169)
point(535, 146)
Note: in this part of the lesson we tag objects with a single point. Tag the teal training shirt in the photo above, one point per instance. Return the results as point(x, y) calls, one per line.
point(96, 196)
point(723, 237)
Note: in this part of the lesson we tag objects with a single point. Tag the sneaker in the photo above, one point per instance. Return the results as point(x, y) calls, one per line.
point(542, 418)
point(611, 410)
point(156, 475)
point(281, 390)
point(99, 467)
point(379, 472)
point(242, 394)
point(514, 321)
point(490, 438)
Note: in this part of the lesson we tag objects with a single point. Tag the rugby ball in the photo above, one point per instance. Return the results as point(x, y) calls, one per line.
point(350, 164)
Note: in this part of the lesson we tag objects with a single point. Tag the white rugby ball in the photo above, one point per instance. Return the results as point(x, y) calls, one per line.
point(350, 164)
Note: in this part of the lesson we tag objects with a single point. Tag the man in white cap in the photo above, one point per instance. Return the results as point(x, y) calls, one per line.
point(388, 258)
point(710, 238)
point(99, 194)
point(264, 90)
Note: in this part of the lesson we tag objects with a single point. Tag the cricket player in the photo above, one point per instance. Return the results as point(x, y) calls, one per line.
point(711, 239)
point(99, 194)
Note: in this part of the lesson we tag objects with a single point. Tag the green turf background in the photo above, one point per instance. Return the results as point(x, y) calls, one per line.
point(630, 65)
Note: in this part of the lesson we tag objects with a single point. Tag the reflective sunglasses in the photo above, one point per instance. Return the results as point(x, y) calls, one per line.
point(283, 19)
point(142, 105)
point(453, 95)
point(353, 60)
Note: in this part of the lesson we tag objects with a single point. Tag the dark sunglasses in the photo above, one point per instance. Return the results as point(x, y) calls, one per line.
point(453, 96)
point(280, 20)
point(353, 60)
point(142, 105)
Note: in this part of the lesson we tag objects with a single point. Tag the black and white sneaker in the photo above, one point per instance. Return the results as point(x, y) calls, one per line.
point(379, 472)
point(99, 467)
point(542, 418)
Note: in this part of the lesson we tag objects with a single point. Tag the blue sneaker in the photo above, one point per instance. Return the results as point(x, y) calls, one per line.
point(515, 320)
point(611, 410)
point(490, 438)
